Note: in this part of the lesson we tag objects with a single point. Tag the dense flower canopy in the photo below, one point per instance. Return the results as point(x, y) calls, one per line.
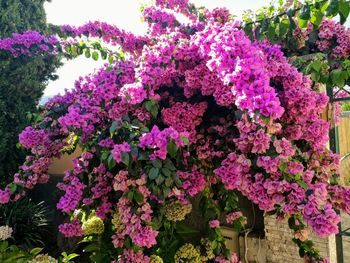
point(195, 109)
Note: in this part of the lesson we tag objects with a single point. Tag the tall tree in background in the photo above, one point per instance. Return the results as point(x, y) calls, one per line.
point(22, 79)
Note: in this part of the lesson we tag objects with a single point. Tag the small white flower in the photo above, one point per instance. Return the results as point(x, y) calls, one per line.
point(5, 232)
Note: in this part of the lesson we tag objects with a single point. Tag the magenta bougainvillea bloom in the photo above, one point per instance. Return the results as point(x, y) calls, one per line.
point(194, 110)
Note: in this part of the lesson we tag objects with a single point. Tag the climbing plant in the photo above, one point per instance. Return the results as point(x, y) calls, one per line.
point(192, 111)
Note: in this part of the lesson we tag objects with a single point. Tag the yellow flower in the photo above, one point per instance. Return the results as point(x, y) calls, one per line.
point(94, 225)
point(117, 223)
point(43, 258)
point(187, 254)
point(176, 211)
point(208, 249)
point(155, 259)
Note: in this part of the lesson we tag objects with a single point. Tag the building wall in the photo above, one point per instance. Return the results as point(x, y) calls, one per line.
point(280, 247)
point(346, 238)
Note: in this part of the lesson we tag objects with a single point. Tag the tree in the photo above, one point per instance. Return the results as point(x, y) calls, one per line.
point(22, 79)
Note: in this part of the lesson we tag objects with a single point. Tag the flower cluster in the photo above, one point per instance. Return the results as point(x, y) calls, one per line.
point(232, 169)
point(5, 232)
point(133, 224)
point(184, 117)
point(20, 44)
point(330, 30)
point(72, 229)
point(5, 196)
point(43, 258)
point(158, 20)
point(109, 34)
point(187, 253)
point(158, 141)
point(73, 188)
point(175, 210)
point(192, 182)
point(193, 110)
point(130, 256)
point(118, 150)
point(94, 225)
point(134, 93)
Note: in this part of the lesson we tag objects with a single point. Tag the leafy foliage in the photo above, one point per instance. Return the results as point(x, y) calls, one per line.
point(22, 79)
point(30, 221)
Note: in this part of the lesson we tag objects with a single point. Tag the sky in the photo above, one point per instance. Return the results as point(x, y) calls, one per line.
point(122, 13)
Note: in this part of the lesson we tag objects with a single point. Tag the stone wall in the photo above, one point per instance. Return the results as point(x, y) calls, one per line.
point(280, 247)
point(346, 239)
point(252, 249)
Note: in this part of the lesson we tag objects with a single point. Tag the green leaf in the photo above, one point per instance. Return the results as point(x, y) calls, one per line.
point(3, 245)
point(305, 12)
point(68, 48)
point(74, 51)
point(248, 29)
point(153, 173)
point(332, 9)
point(35, 251)
point(130, 195)
point(185, 140)
point(13, 187)
point(110, 59)
point(185, 229)
point(166, 172)
point(95, 55)
point(159, 180)
point(265, 119)
point(169, 164)
point(105, 155)
point(302, 23)
point(172, 148)
point(283, 27)
point(154, 112)
point(214, 244)
point(291, 223)
point(344, 9)
point(157, 163)
point(315, 76)
point(322, 6)
point(283, 166)
point(237, 225)
point(138, 197)
point(291, 12)
point(113, 127)
point(337, 78)
point(71, 256)
point(258, 34)
point(148, 105)
point(316, 65)
point(166, 192)
point(103, 54)
point(111, 162)
point(302, 184)
point(316, 18)
point(127, 243)
point(177, 182)
point(125, 158)
point(87, 53)
point(168, 181)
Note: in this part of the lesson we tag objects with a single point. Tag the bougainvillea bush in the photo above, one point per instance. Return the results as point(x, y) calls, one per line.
point(193, 110)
